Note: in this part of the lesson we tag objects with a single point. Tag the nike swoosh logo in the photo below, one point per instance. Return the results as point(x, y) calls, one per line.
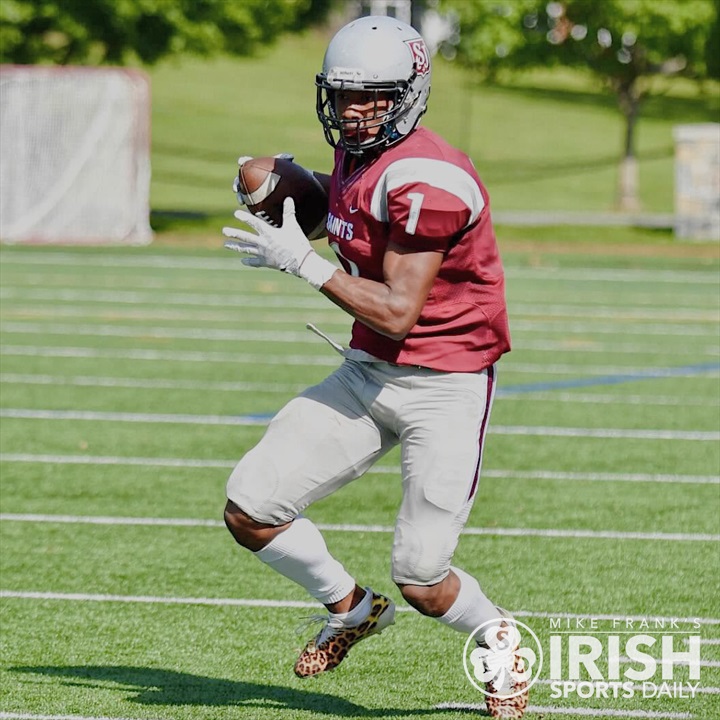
point(353, 210)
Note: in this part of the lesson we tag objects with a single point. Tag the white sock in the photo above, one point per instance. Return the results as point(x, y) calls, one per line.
point(358, 614)
point(300, 554)
point(471, 608)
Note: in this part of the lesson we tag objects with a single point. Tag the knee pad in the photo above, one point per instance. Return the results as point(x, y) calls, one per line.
point(252, 487)
point(419, 558)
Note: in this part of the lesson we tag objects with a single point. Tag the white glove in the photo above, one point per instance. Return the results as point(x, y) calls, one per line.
point(241, 161)
point(285, 248)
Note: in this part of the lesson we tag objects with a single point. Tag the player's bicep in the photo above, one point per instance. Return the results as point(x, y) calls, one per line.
point(410, 275)
point(427, 202)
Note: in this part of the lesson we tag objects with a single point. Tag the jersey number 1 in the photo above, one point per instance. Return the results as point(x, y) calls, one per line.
point(416, 200)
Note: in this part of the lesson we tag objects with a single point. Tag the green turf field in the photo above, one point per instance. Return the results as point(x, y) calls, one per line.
point(132, 379)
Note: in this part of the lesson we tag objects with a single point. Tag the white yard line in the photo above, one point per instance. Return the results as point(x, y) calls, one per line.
point(602, 477)
point(616, 329)
point(535, 309)
point(609, 312)
point(64, 257)
point(581, 347)
point(584, 711)
point(376, 470)
point(583, 275)
point(196, 356)
point(138, 297)
point(545, 532)
point(158, 600)
point(295, 336)
point(152, 383)
point(545, 710)
point(608, 399)
point(355, 528)
point(33, 716)
point(115, 460)
point(39, 309)
point(142, 297)
point(336, 318)
point(247, 602)
point(330, 315)
point(190, 333)
point(614, 433)
point(53, 257)
point(565, 328)
point(154, 418)
point(332, 359)
point(542, 709)
point(241, 387)
point(261, 420)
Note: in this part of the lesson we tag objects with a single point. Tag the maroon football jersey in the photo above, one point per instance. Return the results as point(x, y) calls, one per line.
point(423, 194)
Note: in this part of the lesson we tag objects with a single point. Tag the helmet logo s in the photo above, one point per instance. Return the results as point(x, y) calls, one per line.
point(420, 56)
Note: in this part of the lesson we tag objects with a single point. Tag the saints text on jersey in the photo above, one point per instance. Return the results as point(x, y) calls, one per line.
point(342, 229)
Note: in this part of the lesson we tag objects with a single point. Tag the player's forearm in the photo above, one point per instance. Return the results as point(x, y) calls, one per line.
point(373, 303)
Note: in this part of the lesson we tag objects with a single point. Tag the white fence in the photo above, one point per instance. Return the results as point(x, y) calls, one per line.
point(74, 155)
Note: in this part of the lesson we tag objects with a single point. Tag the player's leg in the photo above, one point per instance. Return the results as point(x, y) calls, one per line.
point(316, 444)
point(444, 420)
point(298, 551)
point(443, 438)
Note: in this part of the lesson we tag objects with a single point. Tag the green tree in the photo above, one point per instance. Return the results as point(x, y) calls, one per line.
point(624, 42)
point(120, 31)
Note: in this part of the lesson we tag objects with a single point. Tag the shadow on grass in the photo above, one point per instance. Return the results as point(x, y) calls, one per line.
point(163, 221)
point(661, 106)
point(151, 686)
point(511, 171)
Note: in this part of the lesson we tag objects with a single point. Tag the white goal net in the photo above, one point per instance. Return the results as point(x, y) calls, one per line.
point(74, 155)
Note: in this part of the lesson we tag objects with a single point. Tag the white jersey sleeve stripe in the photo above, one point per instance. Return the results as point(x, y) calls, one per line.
point(437, 173)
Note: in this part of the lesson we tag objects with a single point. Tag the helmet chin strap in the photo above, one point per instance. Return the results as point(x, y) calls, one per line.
point(387, 135)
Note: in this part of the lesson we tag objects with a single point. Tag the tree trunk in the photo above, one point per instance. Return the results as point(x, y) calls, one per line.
point(628, 199)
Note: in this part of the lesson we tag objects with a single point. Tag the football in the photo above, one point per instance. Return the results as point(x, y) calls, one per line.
point(265, 182)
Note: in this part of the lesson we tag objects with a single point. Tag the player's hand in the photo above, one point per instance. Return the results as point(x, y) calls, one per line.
point(285, 248)
point(282, 248)
point(241, 161)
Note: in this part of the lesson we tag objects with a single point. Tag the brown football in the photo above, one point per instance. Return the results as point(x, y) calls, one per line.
point(265, 182)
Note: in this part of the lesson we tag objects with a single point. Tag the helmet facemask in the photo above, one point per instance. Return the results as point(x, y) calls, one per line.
point(338, 130)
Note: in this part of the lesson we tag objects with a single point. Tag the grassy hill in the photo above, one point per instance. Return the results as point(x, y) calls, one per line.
point(541, 141)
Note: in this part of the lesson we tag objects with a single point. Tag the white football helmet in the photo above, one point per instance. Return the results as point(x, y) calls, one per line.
point(375, 54)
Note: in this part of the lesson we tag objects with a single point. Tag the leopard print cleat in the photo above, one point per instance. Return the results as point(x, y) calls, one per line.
point(507, 690)
point(330, 646)
point(509, 700)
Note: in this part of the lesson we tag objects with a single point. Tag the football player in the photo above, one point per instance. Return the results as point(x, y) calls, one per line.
point(409, 220)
